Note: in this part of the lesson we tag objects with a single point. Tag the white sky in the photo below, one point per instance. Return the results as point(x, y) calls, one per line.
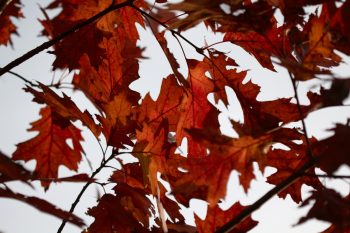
point(18, 111)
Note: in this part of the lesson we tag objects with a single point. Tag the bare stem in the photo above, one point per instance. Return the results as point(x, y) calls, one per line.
point(77, 199)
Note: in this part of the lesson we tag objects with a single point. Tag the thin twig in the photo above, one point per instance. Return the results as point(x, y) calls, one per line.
point(199, 50)
point(22, 78)
point(309, 149)
point(328, 176)
point(77, 199)
point(63, 35)
point(58, 85)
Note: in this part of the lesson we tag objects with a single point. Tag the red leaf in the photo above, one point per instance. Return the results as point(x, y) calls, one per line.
point(117, 123)
point(156, 119)
point(43, 206)
point(195, 108)
point(259, 116)
point(7, 28)
point(49, 148)
point(130, 174)
point(69, 50)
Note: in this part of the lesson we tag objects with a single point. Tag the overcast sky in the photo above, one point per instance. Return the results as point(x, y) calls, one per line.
point(18, 110)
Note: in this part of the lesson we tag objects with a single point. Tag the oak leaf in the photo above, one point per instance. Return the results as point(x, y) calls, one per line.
point(49, 148)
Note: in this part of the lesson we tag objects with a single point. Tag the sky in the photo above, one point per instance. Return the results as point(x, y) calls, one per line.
point(18, 110)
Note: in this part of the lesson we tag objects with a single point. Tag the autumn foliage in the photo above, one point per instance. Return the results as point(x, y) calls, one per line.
point(104, 54)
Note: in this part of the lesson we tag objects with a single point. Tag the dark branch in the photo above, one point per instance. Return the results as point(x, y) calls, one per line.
point(228, 227)
point(61, 36)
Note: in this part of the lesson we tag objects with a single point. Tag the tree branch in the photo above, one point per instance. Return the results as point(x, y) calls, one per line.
point(228, 227)
point(61, 36)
